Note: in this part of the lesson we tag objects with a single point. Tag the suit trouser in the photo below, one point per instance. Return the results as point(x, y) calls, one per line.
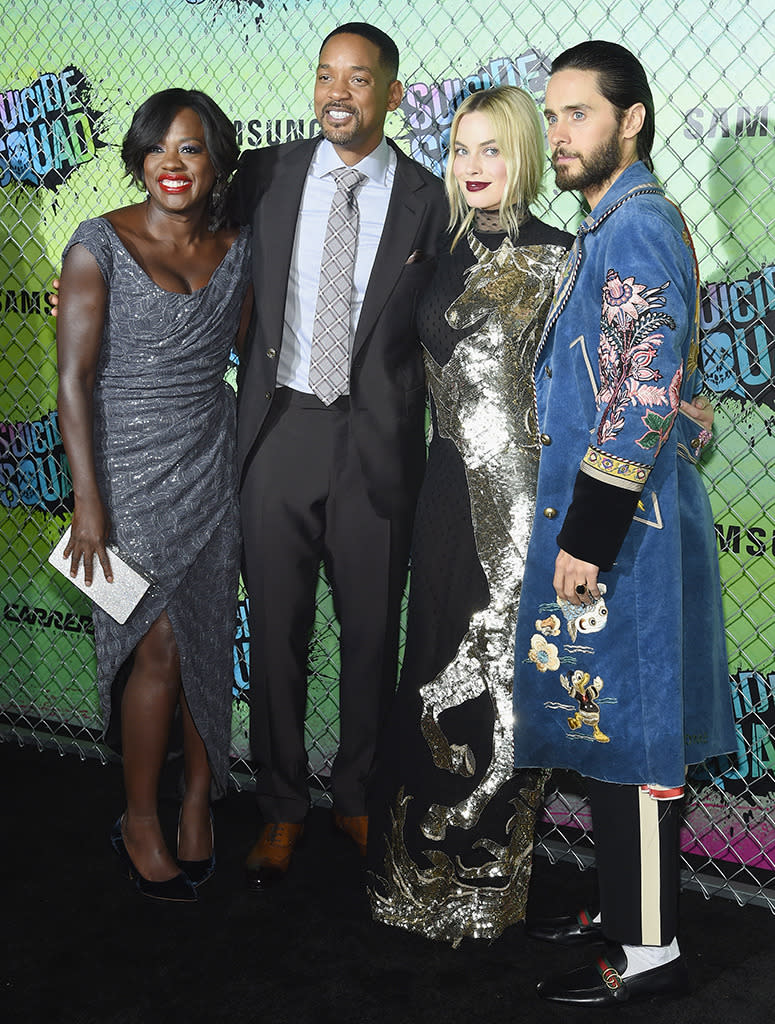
point(638, 863)
point(304, 501)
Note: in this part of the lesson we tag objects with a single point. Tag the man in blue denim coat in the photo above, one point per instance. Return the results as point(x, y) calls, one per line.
point(621, 670)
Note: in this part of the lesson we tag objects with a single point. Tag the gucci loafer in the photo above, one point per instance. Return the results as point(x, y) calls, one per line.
point(569, 930)
point(602, 984)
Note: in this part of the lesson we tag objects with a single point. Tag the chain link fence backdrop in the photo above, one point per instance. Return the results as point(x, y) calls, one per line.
point(71, 74)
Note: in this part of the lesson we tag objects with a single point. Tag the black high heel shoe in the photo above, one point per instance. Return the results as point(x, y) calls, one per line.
point(199, 870)
point(178, 889)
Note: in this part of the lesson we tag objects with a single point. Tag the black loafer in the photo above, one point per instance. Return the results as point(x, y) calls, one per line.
point(566, 931)
point(602, 984)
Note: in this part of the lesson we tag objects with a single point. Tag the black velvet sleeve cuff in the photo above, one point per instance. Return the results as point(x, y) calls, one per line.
point(597, 521)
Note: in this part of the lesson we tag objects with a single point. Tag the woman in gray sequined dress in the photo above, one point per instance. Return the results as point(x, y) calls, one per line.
point(152, 299)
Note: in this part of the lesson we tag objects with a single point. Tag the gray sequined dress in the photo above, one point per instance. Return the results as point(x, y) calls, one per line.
point(164, 440)
point(451, 824)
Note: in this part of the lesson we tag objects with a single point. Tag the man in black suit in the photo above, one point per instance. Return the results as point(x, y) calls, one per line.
point(333, 481)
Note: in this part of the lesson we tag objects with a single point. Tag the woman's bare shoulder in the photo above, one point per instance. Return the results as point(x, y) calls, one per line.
point(126, 219)
point(227, 236)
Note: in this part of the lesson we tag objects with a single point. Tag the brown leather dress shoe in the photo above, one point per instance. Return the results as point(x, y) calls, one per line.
point(270, 857)
point(357, 828)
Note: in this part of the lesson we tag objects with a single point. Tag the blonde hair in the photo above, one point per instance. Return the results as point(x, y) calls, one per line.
point(519, 133)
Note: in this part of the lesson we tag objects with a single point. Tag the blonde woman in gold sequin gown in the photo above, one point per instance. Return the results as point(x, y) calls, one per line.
point(451, 824)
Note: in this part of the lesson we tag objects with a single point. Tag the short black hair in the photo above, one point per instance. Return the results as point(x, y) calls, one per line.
point(388, 51)
point(153, 118)
point(621, 78)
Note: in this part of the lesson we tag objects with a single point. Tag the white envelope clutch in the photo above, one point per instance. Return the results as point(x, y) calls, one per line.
point(119, 598)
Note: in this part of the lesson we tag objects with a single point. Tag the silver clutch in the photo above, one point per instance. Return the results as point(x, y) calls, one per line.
point(119, 598)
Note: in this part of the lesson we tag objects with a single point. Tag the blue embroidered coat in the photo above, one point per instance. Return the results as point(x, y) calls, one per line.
point(636, 688)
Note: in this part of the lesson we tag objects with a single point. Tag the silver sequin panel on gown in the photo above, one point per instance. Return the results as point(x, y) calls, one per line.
point(485, 405)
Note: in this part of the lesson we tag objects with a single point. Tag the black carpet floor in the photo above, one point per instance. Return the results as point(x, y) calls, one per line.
point(81, 946)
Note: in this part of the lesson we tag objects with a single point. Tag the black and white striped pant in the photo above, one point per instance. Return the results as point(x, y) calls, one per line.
point(638, 864)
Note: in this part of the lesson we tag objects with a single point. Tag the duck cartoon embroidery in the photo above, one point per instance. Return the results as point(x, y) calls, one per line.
point(578, 686)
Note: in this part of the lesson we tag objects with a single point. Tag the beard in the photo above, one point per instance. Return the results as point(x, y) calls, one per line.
point(595, 170)
point(340, 136)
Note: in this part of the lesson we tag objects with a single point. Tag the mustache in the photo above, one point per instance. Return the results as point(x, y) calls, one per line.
point(339, 106)
point(561, 153)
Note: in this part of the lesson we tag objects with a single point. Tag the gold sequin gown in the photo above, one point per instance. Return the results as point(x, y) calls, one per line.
point(451, 824)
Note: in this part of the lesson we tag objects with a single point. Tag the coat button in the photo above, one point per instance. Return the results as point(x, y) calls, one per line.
point(267, 395)
point(545, 439)
point(550, 513)
point(271, 352)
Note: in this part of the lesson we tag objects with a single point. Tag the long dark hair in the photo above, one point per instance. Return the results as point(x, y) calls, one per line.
point(152, 120)
point(621, 79)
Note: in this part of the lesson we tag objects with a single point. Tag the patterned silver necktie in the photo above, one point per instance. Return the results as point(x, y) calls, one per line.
point(330, 356)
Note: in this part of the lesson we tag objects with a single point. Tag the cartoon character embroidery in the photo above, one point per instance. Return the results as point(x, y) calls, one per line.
point(579, 687)
point(585, 618)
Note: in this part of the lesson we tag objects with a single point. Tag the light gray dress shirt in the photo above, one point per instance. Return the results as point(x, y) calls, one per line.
point(373, 199)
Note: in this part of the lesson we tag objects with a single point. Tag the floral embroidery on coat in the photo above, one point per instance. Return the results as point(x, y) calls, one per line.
point(658, 427)
point(631, 326)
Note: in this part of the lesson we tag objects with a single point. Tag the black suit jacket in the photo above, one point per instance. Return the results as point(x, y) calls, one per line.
point(387, 388)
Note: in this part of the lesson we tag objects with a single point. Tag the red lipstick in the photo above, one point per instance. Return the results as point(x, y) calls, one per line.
point(477, 186)
point(174, 183)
